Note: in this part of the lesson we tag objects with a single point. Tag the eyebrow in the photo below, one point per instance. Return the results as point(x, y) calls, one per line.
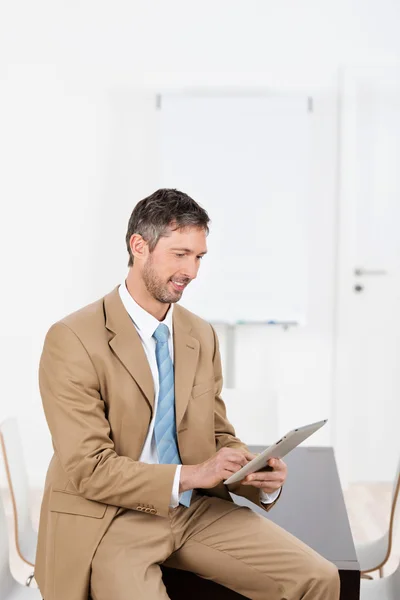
point(188, 251)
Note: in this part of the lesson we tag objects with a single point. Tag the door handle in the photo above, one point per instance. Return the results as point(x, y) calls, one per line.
point(361, 272)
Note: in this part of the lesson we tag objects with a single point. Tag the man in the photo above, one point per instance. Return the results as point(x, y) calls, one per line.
point(131, 391)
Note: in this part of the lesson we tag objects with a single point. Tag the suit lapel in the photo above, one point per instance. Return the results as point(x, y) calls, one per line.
point(127, 344)
point(186, 354)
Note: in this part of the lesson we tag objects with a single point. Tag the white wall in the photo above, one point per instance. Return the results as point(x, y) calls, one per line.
point(78, 147)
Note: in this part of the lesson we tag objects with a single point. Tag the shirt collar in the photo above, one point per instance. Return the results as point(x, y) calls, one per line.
point(144, 321)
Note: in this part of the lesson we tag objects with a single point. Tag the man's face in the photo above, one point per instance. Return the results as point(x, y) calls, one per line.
point(173, 264)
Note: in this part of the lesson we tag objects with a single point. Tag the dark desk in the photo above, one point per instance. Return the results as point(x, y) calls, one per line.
point(312, 508)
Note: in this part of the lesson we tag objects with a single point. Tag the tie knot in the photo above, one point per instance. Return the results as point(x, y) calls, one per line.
point(161, 333)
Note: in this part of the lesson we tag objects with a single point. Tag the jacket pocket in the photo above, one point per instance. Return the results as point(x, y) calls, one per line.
point(202, 388)
point(65, 502)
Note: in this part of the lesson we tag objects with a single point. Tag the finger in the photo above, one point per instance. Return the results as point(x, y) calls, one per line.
point(277, 464)
point(238, 457)
point(243, 452)
point(229, 469)
point(266, 477)
point(232, 467)
point(249, 455)
point(225, 474)
point(269, 489)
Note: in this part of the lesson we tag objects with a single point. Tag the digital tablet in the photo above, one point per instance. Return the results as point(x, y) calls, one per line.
point(277, 450)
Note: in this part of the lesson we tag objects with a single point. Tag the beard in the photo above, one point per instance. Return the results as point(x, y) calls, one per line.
point(159, 289)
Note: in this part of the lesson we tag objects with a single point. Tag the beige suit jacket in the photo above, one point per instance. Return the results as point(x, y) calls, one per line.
point(98, 395)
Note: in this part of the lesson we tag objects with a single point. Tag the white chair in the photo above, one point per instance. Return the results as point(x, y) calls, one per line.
point(373, 555)
point(22, 536)
point(386, 588)
point(9, 588)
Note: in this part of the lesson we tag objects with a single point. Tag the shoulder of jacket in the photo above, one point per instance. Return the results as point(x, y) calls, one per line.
point(84, 318)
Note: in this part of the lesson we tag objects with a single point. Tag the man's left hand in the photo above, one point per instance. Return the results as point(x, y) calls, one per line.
point(268, 480)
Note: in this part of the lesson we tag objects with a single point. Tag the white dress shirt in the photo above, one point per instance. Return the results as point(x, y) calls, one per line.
point(146, 325)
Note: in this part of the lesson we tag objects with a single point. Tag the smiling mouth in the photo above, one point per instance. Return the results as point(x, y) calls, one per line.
point(178, 286)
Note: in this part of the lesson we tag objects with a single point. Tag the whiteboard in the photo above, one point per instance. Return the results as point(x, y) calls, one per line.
point(245, 159)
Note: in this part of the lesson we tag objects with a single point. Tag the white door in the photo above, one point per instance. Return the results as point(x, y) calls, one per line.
point(367, 393)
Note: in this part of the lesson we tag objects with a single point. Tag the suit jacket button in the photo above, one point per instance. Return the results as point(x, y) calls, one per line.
point(147, 510)
point(153, 511)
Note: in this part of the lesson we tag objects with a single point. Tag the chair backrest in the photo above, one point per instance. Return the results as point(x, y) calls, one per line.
point(385, 588)
point(396, 583)
point(6, 579)
point(17, 479)
point(394, 525)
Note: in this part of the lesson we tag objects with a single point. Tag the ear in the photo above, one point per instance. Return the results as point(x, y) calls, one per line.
point(139, 246)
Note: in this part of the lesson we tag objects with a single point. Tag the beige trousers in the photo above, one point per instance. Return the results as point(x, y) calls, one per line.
point(229, 544)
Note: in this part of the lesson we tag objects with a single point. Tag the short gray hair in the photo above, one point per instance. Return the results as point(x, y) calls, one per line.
point(166, 208)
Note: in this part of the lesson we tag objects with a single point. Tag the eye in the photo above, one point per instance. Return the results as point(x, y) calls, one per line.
point(200, 257)
point(179, 255)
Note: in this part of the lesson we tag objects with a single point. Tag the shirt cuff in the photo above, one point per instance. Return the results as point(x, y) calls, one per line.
point(269, 498)
point(175, 488)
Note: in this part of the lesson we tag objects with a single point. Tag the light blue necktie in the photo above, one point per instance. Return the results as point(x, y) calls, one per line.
point(165, 427)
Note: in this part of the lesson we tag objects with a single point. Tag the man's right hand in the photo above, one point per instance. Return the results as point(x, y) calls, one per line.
point(214, 470)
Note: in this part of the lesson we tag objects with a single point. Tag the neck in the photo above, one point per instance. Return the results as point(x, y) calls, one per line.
point(140, 294)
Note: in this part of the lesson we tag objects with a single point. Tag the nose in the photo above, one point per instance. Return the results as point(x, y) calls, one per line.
point(191, 268)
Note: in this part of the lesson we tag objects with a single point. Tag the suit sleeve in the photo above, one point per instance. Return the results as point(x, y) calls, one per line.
point(76, 416)
point(225, 432)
